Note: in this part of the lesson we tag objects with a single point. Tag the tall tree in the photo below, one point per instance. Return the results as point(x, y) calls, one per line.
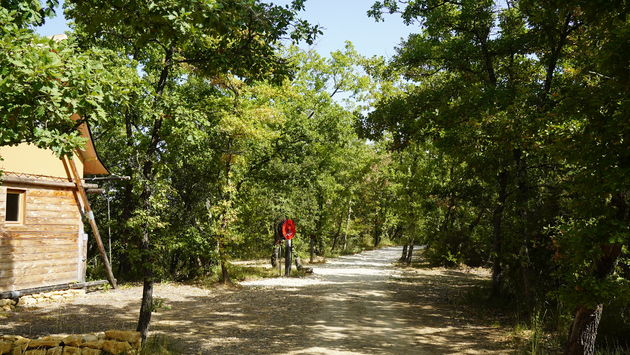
point(170, 40)
point(592, 131)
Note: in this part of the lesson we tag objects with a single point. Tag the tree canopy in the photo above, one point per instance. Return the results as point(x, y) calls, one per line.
point(510, 94)
point(497, 136)
point(44, 82)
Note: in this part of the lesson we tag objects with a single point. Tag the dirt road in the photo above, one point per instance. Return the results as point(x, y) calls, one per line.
point(358, 304)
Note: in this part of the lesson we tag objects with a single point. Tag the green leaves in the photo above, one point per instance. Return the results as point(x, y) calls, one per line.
point(213, 37)
point(44, 82)
point(26, 13)
point(60, 143)
point(523, 100)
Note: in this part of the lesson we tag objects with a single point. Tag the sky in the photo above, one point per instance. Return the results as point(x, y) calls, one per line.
point(342, 20)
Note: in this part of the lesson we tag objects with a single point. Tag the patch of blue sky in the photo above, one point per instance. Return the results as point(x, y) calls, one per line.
point(341, 20)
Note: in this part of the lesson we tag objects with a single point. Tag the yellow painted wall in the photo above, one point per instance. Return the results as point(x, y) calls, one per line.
point(29, 159)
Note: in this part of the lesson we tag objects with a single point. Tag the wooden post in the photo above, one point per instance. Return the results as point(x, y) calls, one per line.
point(287, 258)
point(280, 253)
point(90, 216)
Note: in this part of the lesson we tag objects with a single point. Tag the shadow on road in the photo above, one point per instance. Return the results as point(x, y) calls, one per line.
point(359, 304)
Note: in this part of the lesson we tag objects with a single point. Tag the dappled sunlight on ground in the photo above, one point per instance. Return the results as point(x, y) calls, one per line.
point(357, 304)
point(363, 305)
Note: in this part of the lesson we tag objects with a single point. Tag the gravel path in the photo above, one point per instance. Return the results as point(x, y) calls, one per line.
point(356, 304)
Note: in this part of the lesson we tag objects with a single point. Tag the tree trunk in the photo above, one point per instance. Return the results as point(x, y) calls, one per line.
point(146, 306)
point(404, 254)
point(497, 220)
point(146, 309)
point(377, 231)
point(584, 331)
point(334, 244)
point(274, 256)
point(225, 275)
point(586, 321)
point(287, 257)
point(409, 253)
point(377, 240)
point(345, 235)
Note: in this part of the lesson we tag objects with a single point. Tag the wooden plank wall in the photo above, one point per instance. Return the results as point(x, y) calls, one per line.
point(45, 249)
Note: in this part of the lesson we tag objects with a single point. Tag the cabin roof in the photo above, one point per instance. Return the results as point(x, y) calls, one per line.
point(92, 164)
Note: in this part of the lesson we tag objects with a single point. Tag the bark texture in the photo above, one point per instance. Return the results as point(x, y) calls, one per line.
point(584, 331)
point(403, 257)
point(146, 306)
point(409, 254)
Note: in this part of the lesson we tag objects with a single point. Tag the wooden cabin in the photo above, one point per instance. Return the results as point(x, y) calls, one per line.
point(42, 239)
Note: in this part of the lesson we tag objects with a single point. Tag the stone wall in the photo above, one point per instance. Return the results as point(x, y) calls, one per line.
point(7, 305)
point(47, 297)
point(40, 298)
point(111, 342)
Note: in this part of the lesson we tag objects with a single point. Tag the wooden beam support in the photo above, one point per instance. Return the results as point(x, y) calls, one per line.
point(42, 182)
point(90, 216)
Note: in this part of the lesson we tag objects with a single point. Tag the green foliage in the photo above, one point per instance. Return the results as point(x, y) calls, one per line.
point(523, 101)
point(188, 136)
point(235, 156)
point(159, 304)
point(211, 37)
point(44, 82)
point(29, 12)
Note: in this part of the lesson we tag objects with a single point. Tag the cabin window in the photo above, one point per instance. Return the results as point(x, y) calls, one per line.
point(15, 206)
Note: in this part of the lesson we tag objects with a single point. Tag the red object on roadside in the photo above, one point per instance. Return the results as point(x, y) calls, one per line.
point(288, 229)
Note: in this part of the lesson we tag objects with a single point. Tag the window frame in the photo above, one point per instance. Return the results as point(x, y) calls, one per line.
point(21, 206)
